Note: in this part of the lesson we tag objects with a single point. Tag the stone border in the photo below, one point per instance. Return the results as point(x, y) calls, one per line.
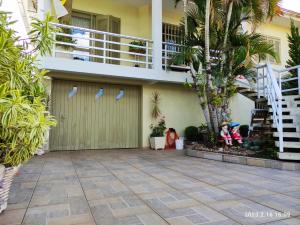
point(244, 160)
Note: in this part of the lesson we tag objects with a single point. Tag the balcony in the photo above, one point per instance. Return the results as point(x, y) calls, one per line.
point(88, 51)
point(123, 38)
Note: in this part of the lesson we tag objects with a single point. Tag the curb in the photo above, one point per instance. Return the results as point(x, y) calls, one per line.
point(244, 160)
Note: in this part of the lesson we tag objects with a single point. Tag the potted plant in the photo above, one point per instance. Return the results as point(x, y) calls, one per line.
point(157, 138)
point(23, 116)
point(177, 61)
point(135, 48)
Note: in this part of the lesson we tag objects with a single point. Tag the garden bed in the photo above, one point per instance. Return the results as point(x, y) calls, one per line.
point(242, 159)
point(234, 150)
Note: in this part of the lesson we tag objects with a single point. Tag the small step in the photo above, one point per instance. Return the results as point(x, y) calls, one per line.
point(288, 155)
point(288, 125)
point(243, 90)
point(295, 97)
point(288, 134)
point(284, 121)
point(252, 95)
point(289, 144)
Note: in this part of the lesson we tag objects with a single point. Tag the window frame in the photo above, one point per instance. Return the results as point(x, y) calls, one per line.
point(269, 38)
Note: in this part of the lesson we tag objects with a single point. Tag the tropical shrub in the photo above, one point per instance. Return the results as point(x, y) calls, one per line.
point(159, 129)
point(217, 50)
point(244, 130)
point(23, 115)
point(294, 58)
point(136, 48)
point(191, 133)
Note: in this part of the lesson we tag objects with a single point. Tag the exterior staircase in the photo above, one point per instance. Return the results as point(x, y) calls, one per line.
point(276, 116)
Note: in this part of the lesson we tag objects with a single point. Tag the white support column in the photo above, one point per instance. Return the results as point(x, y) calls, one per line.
point(43, 6)
point(41, 9)
point(157, 34)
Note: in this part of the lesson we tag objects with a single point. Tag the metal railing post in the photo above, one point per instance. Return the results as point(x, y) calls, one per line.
point(279, 82)
point(104, 48)
point(147, 54)
point(280, 128)
point(54, 45)
point(264, 89)
point(298, 72)
point(166, 56)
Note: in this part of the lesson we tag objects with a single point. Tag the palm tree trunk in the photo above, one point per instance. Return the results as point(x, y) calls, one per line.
point(202, 98)
point(209, 88)
point(185, 16)
point(229, 13)
point(207, 48)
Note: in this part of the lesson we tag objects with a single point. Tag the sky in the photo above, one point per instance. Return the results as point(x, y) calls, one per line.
point(293, 5)
point(12, 6)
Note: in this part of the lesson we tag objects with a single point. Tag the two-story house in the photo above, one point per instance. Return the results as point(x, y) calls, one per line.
point(111, 57)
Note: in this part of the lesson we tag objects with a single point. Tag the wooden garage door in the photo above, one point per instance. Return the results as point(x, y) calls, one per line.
point(87, 122)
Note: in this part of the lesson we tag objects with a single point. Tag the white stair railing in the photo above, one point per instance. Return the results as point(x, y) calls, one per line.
point(268, 87)
point(289, 84)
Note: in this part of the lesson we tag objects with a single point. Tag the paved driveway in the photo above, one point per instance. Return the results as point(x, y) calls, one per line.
point(134, 187)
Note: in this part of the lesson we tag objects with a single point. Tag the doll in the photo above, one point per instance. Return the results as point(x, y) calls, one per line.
point(224, 133)
point(235, 132)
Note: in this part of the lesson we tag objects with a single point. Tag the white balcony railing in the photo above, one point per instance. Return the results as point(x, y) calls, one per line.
point(85, 44)
point(168, 52)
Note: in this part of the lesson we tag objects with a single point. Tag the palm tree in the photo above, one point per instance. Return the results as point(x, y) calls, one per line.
point(213, 28)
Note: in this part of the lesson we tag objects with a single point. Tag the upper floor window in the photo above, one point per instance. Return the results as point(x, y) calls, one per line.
point(276, 45)
point(172, 34)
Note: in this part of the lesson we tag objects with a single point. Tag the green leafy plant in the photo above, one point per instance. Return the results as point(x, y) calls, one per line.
point(216, 50)
point(159, 129)
point(191, 133)
point(244, 130)
point(294, 54)
point(23, 115)
point(136, 48)
point(155, 105)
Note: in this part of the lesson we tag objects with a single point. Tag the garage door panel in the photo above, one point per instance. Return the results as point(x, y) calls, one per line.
point(85, 122)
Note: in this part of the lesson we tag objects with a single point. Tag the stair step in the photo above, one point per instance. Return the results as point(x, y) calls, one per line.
point(243, 90)
point(291, 97)
point(289, 144)
point(261, 100)
point(284, 121)
point(289, 155)
point(285, 125)
point(254, 94)
point(288, 134)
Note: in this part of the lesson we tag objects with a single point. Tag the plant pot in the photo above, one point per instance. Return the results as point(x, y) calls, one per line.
point(179, 144)
point(6, 178)
point(157, 142)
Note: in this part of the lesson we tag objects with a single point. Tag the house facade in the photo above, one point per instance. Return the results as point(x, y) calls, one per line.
point(108, 60)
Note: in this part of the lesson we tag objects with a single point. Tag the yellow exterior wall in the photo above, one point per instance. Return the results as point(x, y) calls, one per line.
point(178, 104)
point(240, 108)
point(135, 21)
point(279, 32)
